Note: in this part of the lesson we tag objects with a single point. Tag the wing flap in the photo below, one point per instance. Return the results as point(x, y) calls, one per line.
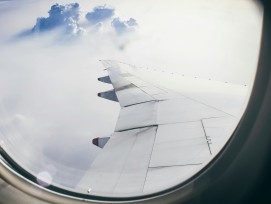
point(127, 93)
point(158, 178)
point(180, 144)
point(122, 165)
point(137, 116)
point(152, 90)
point(137, 82)
point(135, 170)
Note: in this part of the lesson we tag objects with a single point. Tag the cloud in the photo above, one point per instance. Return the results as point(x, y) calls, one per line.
point(100, 14)
point(66, 16)
point(71, 21)
point(124, 26)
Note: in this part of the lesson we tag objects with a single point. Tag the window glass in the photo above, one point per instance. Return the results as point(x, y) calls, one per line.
point(174, 80)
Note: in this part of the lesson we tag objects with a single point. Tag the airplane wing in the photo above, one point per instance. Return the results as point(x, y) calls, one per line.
point(162, 137)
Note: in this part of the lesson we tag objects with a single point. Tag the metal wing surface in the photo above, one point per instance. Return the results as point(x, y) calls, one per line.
point(162, 137)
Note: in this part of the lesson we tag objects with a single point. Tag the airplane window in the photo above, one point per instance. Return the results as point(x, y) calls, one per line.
point(122, 98)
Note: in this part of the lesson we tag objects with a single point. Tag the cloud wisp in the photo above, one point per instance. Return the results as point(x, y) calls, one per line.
point(124, 26)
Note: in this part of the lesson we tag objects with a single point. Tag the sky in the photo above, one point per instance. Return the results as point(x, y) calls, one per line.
point(50, 52)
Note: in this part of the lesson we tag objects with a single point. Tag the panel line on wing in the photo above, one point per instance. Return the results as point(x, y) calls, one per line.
point(137, 162)
point(191, 121)
point(156, 125)
point(155, 167)
point(207, 105)
point(124, 164)
point(140, 103)
point(150, 159)
point(143, 88)
point(147, 85)
point(219, 130)
point(137, 128)
point(207, 137)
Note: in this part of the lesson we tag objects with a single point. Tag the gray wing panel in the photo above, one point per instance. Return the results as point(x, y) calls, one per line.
point(122, 165)
point(184, 110)
point(137, 116)
point(131, 95)
point(180, 144)
point(129, 88)
point(175, 110)
point(218, 131)
point(138, 82)
point(160, 177)
point(135, 170)
point(127, 92)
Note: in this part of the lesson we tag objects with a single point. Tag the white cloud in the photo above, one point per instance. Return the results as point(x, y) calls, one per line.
point(124, 26)
point(66, 16)
point(100, 14)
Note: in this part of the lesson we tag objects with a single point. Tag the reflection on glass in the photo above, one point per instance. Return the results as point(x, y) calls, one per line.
point(177, 76)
